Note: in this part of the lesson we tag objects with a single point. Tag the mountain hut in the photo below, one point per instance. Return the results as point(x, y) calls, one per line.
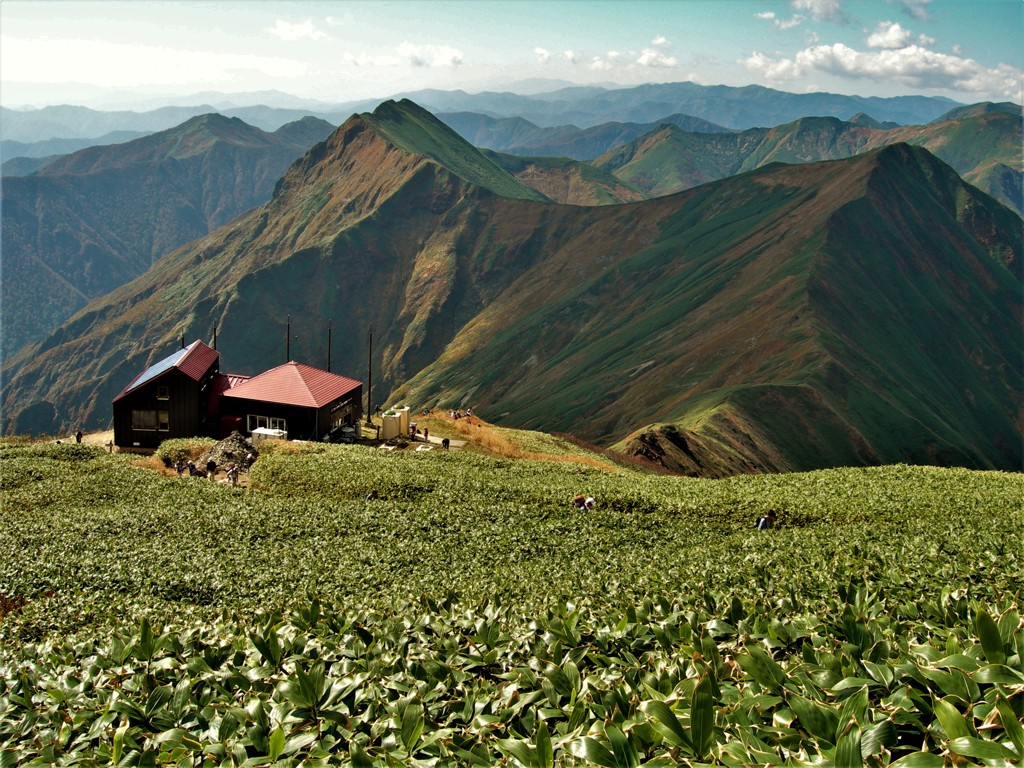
point(304, 402)
point(171, 398)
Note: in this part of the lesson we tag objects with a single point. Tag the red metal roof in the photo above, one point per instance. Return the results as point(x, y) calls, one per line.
point(294, 384)
point(194, 361)
point(197, 360)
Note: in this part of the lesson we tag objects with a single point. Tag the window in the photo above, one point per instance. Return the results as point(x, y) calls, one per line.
point(163, 419)
point(266, 422)
point(163, 393)
point(144, 420)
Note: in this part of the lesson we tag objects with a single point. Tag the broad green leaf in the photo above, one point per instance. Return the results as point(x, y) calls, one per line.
point(763, 668)
point(951, 720)
point(702, 715)
point(593, 751)
point(998, 673)
point(991, 640)
point(968, 746)
point(411, 713)
point(275, 744)
point(848, 750)
point(520, 750)
point(542, 741)
point(919, 760)
point(819, 719)
point(359, 757)
point(666, 722)
point(878, 737)
point(626, 755)
point(1011, 725)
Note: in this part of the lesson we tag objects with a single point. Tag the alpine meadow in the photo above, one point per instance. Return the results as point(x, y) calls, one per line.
point(568, 424)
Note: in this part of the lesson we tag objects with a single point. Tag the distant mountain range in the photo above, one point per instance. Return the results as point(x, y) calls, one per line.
point(858, 311)
point(90, 221)
point(583, 107)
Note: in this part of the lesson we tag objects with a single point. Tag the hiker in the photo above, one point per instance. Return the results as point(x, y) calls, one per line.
point(426, 434)
point(580, 501)
point(179, 467)
point(211, 469)
point(766, 521)
point(445, 442)
point(78, 436)
point(589, 503)
point(233, 474)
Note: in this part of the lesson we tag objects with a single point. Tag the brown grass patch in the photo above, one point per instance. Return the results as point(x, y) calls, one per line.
point(10, 605)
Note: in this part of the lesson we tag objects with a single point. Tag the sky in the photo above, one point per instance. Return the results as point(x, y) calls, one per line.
point(135, 54)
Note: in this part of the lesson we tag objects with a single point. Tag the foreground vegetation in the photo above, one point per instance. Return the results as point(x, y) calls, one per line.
point(469, 615)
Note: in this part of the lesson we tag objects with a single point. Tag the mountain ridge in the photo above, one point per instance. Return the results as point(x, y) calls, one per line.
point(686, 311)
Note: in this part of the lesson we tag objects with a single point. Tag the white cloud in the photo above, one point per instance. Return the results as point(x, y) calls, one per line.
point(430, 55)
point(916, 9)
point(796, 21)
point(660, 40)
point(925, 41)
point(772, 69)
point(912, 66)
point(889, 35)
point(100, 61)
point(570, 56)
point(291, 32)
point(597, 64)
point(652, 58)
point(819, 10)
point(543, 54)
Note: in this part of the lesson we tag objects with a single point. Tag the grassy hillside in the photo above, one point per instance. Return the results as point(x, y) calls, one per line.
point(568, 181)
point(981, 144)
point(418, 132)
point(470, 615)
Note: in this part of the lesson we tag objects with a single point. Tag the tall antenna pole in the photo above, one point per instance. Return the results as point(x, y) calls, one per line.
point(369, 380)
point(328, 346)
point(288, 340)
point(214, 336)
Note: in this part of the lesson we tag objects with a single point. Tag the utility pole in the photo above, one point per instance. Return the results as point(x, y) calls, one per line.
point(288, 340)
point(369, 380)
point(328, 346)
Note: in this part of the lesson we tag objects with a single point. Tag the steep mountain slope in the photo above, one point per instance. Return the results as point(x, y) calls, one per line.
point(693, 311)
point(92, 220)
point(983, 145)
point(796, 317)
point(567, 181)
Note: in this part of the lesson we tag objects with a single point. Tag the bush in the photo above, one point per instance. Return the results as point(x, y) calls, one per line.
point(183, 449)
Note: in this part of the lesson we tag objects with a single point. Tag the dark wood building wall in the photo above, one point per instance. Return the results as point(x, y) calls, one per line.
point(172, 405)
point(303, 423)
